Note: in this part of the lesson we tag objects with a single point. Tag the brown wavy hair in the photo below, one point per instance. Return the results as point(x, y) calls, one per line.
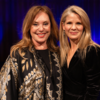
point(26, 41)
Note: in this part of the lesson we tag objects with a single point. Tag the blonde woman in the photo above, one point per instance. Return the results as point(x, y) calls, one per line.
point(32, 70)
point(80, 56)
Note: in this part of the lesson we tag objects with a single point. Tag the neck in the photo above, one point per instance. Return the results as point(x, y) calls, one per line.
point(40, 46)
point(74, 46)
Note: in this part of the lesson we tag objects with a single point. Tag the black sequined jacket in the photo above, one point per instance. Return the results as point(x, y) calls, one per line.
point(27, 78)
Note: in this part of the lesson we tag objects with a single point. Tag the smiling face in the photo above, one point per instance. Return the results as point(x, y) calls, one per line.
point(40, 29)
point(73, 27)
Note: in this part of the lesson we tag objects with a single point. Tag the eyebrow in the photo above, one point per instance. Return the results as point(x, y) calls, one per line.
point(37, 22)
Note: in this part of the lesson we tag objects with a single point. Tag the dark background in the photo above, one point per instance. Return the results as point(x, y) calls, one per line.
point(12, 13)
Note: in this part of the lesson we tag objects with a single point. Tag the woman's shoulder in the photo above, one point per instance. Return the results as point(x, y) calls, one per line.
point(93, 52)
point(19, 53)
point(93, 48)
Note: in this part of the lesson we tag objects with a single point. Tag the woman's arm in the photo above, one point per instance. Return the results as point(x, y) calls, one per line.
point(92, 74)
point(8, 79)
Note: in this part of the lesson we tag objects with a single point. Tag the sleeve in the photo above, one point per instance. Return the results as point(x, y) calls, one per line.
point(8, 79)
point(92, 74)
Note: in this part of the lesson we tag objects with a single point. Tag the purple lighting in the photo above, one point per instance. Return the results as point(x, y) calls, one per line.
point(1, 32)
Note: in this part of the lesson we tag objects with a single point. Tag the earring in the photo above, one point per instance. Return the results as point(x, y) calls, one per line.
point(64, 32)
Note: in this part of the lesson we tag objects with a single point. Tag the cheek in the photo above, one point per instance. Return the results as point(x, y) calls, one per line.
point(48, 28)
point(33, 28)
point(67, 28)
point(81, 28)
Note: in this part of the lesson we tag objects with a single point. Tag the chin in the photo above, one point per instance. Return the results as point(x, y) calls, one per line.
point(41, 41)
point(74, 38)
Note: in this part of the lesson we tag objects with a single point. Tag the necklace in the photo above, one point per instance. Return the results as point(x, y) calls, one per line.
point(50, 64)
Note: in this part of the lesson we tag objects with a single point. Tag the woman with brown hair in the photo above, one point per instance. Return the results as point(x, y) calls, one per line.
point(32, 70)
point(80, 56)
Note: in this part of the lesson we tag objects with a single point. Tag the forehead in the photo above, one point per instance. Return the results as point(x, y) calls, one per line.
point(73, 16)
point(42, 16)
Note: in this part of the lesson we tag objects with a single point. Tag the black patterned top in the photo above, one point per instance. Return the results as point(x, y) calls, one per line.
point(28, 77)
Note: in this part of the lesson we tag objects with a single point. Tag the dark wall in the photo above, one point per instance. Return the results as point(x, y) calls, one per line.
point(12, 13)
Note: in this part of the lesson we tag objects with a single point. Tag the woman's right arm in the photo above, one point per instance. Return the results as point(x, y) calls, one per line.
point(92, 74)
point(8, 79)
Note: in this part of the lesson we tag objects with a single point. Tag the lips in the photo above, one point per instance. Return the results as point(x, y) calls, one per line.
point(73, 33)
point(41, 35)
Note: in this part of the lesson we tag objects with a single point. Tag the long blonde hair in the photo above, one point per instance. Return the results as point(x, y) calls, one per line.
point(85, 38)
point(26, 41)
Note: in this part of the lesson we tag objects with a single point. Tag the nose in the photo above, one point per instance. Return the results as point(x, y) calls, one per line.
point(73, 26)
point(41, 28)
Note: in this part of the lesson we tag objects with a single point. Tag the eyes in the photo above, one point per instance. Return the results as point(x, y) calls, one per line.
point(44, 23)
point(77, 23)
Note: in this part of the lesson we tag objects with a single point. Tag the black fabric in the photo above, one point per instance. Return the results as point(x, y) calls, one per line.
point(81, 81)
point(44, 54)
point(28, 77)
point(52, 77)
